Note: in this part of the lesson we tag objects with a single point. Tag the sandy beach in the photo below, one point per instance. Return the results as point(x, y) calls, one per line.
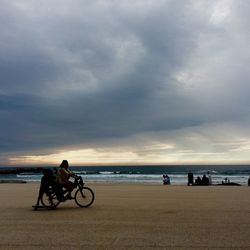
point(129, 216)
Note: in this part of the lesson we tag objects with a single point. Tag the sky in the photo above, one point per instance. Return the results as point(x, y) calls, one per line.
point(124, 82)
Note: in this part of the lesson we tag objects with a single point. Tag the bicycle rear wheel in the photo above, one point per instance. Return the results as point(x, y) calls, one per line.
point(49, 200)
point(84, 197)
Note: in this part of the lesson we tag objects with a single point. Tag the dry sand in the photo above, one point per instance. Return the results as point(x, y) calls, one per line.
point(129, 217)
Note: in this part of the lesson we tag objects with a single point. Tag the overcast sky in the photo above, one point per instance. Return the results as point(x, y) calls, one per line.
point(124, 82)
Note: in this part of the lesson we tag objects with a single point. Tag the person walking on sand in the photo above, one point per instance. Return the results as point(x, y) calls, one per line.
point(63, 175)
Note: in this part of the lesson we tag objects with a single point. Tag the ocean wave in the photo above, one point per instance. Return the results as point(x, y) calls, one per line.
point(29, 176)
point(204, 171)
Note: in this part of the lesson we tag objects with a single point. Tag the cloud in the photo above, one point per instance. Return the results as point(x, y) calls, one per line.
point(82, 74)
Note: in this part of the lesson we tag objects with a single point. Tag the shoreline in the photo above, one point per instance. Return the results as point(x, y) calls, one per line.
point(4, 181)
point(126, 183)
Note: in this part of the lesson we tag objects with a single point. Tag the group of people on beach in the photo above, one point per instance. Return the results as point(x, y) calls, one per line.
point(205, 180)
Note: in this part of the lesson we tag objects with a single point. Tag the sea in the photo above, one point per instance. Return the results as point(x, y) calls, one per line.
point(147, 174)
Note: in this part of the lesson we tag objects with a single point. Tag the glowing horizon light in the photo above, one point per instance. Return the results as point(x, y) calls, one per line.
point(119, 157)
point(81, 156)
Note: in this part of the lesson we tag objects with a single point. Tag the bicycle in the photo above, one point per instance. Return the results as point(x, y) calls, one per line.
point(52, 194)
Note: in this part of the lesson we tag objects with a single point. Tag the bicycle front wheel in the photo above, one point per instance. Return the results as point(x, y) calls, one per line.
point(84, 197)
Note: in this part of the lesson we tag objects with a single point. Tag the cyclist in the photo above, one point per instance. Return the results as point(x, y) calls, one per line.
point(62, 178)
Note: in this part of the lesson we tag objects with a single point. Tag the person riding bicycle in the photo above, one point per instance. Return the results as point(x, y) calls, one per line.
point(62, 178)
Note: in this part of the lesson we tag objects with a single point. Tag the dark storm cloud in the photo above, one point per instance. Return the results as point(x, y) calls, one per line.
point(87, 71)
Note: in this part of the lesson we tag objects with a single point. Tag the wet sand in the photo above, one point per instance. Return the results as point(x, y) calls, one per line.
point(128, 216)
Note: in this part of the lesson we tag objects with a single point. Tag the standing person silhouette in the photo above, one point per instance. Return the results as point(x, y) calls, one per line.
point(209, 178)
point(63, 175)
